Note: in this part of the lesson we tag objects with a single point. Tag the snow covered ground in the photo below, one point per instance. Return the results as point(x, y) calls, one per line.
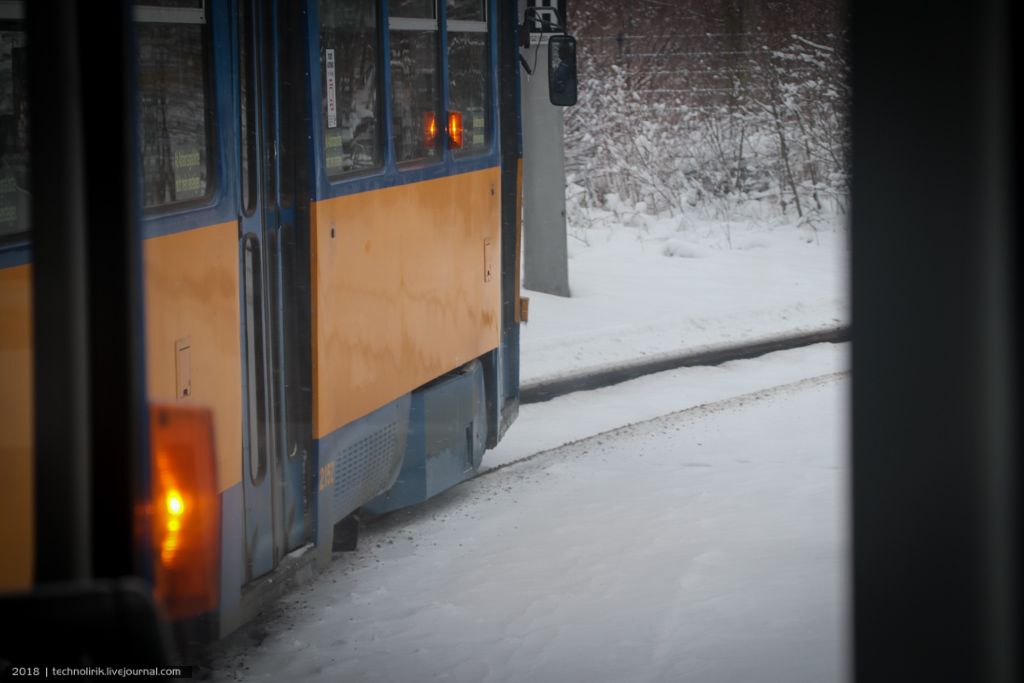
point(665, 285)
point(686, 526)
point(702, 546)
point(541, 426)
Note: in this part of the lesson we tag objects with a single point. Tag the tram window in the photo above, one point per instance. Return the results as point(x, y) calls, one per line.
point(468, 10)
point(14, 157)
point(175, 104)
point(469, 76)
point(420, 9)
point(247, 118)
point(195, 4)
point(415, 92)
point(353, 136)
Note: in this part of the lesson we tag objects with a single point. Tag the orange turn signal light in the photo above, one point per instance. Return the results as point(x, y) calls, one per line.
point(184, 510)
point(455, 130)
point(429, 129)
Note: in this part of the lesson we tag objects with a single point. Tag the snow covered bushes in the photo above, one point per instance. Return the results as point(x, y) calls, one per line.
point(708, 120)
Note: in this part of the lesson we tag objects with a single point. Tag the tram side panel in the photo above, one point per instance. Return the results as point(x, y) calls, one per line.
point(193, 356)
point(16, 438)
point(406, 249)
point(192, 331)
point(16, 354)
point(407, 288)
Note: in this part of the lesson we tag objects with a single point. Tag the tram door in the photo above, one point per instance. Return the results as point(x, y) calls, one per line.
point(275, 456)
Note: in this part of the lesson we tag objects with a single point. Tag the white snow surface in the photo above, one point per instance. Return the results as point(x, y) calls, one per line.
point(685, 526)
point(657, 286)
point(541, 426)
point(706, 546)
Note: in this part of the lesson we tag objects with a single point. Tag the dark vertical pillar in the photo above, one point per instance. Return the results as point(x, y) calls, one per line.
point(60, 294)
point(935, 475)
point(87, 299)
point(106, 61)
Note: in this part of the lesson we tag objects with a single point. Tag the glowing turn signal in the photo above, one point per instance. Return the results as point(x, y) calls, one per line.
point(429, 129)
point(185, 524)
point(175, 505)
point(455, 129)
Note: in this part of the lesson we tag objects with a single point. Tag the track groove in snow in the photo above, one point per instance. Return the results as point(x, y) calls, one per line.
point(695, 411)
point(588, 379)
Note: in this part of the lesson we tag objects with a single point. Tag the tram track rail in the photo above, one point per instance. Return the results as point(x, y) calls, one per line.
point(608, 375)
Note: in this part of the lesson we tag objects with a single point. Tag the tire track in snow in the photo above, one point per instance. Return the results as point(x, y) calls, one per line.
point(695, 412)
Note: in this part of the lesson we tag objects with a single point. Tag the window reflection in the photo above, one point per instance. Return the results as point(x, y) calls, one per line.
point(423, 9)
point(196, 4)
point(173, 116)
point(353, 138)
point(14, 145)
point(415, 95)
point(469, 86)
point(466, 10)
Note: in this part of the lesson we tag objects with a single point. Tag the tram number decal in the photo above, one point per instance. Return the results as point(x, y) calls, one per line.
point(327, 475)
point(332, 95)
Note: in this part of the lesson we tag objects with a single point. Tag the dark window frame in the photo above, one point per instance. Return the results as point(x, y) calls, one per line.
point(474, 26)
point(14, 238)
point(166, 15)
point(380, 115)
point(393, 172)
point(421, 25)
point(485, 6)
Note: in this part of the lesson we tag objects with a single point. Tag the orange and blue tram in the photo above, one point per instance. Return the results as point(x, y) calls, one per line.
point(329, 193)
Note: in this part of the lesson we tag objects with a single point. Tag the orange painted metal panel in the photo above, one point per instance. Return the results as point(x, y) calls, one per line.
point(192, 300)
point(399, 290)
point(17, 520)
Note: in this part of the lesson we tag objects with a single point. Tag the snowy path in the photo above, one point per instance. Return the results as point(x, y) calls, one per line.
point(637, 292)
point(542, 426)
point(705, 546)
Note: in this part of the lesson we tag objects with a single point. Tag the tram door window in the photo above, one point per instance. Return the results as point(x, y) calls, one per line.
point(469, 73)
point(172, 42)
point(249, 175)
point(415, 89)
point(14, 168)
point(353, 134)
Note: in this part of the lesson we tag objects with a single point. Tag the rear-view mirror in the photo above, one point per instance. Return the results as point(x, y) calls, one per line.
point(562, 70)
